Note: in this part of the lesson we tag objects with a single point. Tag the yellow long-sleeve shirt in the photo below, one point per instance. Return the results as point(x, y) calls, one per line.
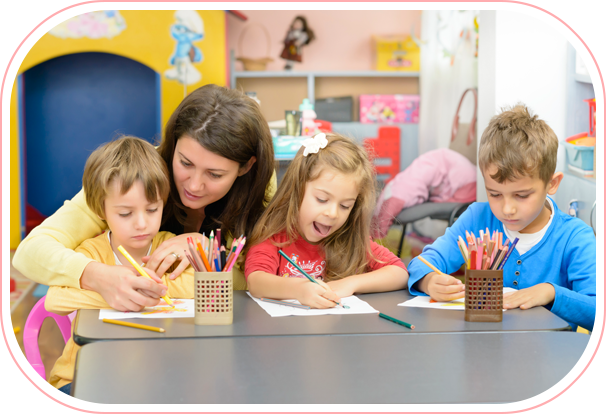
point(47, 254)
point(63, 300)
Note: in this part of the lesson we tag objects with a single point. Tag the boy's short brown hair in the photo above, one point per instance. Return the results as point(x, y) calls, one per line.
point(126, 159)
point(519, 144)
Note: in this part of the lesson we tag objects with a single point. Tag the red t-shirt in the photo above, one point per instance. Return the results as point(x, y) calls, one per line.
point(265, 257)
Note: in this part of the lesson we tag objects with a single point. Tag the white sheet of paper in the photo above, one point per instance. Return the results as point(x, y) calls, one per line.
point(356, 305)
point(184, 308)
point(457, 304)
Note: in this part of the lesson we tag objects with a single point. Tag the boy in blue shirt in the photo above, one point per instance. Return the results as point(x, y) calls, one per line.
point(554, 261)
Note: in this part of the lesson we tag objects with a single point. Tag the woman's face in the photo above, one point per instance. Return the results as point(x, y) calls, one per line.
point(202, 177)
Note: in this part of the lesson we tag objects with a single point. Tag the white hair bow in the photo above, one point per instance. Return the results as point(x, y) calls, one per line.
point(313, 145)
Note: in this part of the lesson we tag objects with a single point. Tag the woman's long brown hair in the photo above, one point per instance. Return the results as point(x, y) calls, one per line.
point(347, 250)
point(230, 124)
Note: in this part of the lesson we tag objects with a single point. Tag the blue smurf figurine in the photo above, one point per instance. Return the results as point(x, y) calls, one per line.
point(187, 29)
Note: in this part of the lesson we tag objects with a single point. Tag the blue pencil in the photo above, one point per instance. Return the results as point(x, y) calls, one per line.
point(513, 246)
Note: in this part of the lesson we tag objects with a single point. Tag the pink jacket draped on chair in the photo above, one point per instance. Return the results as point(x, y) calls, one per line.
point(438, 176)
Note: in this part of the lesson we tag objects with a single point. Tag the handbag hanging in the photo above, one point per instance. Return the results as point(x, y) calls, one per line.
point(463, 135)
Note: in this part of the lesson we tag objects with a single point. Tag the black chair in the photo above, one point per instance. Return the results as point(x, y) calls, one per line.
point(437, 211)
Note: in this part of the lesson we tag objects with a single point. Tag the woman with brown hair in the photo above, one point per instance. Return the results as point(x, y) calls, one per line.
point(220, 159)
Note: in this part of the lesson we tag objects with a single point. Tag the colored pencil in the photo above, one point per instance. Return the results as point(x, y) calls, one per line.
point(203, 256)
point(141, 271)
point(394, 320)
point(513, 245)
point(281, 302)
point(210, 246)
point(236, 254)
point(134, 325)
point(194, 255)
point(223, 257)
point(218, 237)
point(304, 273)
point(192, 262)
point(432, 267)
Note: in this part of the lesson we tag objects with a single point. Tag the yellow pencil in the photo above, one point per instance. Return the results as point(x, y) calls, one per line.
point(431, 266)
point(16, 329)
point(142, 272)
point(134, 325)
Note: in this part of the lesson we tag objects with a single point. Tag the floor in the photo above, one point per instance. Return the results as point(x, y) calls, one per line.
point(50, 340)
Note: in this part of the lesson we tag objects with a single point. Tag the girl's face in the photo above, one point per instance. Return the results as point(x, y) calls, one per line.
point(201, 176)
point(326, 205)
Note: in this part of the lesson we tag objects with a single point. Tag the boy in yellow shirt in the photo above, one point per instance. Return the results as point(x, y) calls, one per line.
point(126, 184)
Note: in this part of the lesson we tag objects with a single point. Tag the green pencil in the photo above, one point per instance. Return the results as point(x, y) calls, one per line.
point(311, 279)
point(399, 322)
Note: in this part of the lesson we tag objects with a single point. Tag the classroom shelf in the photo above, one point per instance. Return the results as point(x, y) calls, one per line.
point(311, 76)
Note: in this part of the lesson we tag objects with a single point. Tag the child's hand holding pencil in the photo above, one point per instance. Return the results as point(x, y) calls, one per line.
point(440, 286)
point(317, 296)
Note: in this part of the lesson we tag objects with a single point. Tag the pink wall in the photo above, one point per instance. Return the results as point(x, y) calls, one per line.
point(343, 38)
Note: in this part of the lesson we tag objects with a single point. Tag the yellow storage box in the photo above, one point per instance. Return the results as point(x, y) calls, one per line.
point(397, 53)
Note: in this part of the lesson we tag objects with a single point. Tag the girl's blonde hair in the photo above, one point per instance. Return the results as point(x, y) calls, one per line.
point(347, 250)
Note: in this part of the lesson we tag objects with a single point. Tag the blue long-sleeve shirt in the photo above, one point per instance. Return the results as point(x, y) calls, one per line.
point(565, 257)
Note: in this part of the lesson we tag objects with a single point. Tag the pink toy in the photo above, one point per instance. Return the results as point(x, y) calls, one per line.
point(31, 331)
point(388, 109)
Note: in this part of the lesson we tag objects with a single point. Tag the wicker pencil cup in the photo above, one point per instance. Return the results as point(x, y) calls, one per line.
point(214, 297)
point(483, 295)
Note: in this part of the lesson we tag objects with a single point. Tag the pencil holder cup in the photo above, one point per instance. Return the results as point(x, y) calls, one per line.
point(483, 295)
point(214, 297)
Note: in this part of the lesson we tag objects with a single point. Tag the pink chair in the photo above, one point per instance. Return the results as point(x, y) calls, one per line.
point(31, 331)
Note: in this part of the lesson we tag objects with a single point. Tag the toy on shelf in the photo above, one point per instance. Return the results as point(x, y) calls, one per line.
point(580, 148)
point(389, 109)
point(308, 116)
point(299, 34)
point(397, 53)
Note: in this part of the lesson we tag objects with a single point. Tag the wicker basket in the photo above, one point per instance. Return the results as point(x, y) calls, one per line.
point(254, 64)
point(214, 297)
point(483, 295)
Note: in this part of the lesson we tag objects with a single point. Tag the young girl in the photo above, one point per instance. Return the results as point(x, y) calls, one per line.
point(320, 218)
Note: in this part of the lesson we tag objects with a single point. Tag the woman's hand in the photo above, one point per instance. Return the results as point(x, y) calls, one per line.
point(122, 287)
point(170, 252)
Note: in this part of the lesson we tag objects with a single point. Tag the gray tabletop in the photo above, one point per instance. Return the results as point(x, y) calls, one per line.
point(251, 320)
point(344, 369)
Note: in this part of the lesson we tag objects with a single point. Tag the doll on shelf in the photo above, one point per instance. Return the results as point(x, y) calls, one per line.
point(299, 35)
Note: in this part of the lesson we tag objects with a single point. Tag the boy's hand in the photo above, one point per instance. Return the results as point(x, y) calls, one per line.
point(537, 295)
point(442, 288)
point(120, 287)
point(342, 287)
point(316, 296)
point(163, 258)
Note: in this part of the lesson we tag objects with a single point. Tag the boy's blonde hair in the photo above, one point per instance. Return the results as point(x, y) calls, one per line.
point(126, 160)
point(346, 250)
point(518, 144)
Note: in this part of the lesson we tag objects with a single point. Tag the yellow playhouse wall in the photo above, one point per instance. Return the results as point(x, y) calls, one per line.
point(15, 183)
point(146, 39)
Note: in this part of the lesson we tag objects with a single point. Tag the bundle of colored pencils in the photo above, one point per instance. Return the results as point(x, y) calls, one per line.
point(213, 257)
point(485, 252)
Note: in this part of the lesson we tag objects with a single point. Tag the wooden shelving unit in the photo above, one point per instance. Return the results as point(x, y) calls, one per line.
point(285, 90)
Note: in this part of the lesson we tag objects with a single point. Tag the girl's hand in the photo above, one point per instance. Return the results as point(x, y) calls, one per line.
point(316, 296)
point(163, 258)
point(121, 287)
point(343, 287)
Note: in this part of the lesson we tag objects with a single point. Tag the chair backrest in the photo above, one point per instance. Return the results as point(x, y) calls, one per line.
point(31, 331)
